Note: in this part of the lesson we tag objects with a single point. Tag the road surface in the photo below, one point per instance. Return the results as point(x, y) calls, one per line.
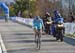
point(19, 38)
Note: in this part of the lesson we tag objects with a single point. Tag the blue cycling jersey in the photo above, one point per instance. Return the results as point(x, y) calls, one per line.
point(38, 24)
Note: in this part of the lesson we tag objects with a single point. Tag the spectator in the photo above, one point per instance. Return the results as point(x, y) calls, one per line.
point(30, 15)
point(71, 17)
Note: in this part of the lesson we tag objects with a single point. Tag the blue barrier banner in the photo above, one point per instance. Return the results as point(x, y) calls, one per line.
point(69, 28)
point(13, 18)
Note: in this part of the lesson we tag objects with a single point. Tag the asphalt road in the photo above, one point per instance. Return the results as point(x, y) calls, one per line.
point(19, 38)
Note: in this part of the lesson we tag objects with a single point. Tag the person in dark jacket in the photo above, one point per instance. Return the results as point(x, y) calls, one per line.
point(46, 19)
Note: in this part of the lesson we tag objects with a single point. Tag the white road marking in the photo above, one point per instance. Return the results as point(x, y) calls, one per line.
point(2, 45)
point(0, 49)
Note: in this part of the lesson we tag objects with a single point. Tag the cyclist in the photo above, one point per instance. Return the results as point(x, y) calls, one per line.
point(37, 26)
point(37, 23)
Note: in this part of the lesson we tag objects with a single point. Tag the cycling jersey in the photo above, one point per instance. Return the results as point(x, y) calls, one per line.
point(37, 23)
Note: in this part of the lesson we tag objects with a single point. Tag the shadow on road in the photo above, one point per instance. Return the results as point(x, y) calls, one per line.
point(24, 50)
point(29, 38)
point(66, 39)
point(32, 41)
point(69, 40)
point(24, 33)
